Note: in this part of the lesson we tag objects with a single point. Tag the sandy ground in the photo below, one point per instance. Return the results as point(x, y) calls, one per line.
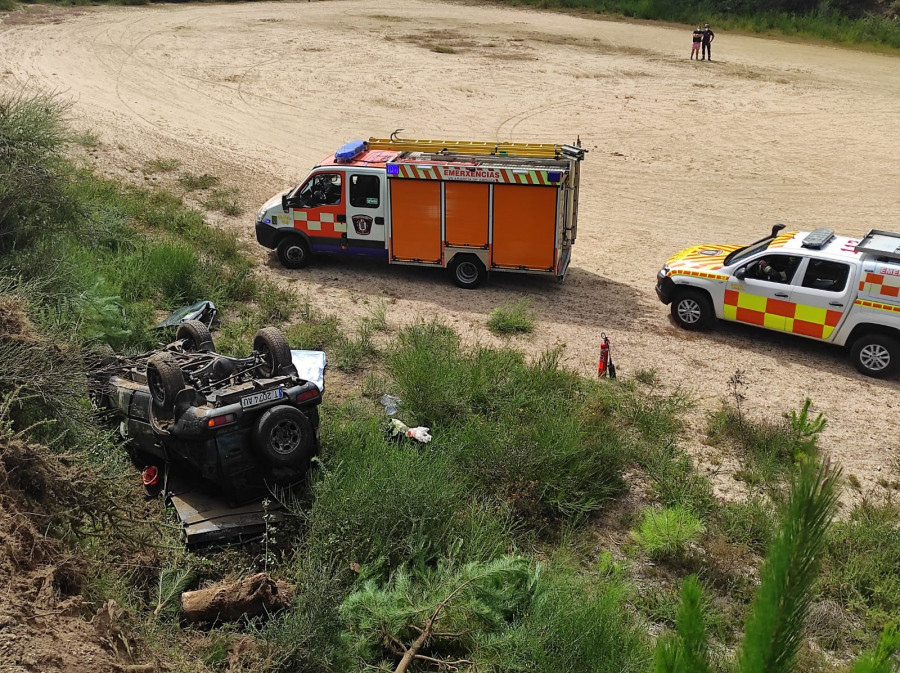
point(681, 153)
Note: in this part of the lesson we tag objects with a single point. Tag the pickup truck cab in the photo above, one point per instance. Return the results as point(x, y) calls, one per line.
point(814, 284)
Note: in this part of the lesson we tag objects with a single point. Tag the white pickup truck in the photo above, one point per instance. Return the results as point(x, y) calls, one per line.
point(821, 286)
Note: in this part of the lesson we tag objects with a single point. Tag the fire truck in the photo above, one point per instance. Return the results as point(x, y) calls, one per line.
point(469, 207)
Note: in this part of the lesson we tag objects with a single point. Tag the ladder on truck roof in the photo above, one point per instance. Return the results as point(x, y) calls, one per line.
point(523, 150)
point(880, 244)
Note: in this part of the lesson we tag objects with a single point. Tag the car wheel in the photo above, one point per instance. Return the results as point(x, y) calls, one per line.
point(293, 252)
point(693, 310)
point(270, 343)
point(285, 437)
point(197, 338)
point(165, 380)
point(468, 272)
point(876, 355)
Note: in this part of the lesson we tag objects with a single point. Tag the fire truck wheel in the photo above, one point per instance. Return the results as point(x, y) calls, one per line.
point(693, 310)
point(293, 252)
point(196, 337)
point(285, 437)
point(468, 272)
point(165, 380)
point(876, 355)
point(276, 353)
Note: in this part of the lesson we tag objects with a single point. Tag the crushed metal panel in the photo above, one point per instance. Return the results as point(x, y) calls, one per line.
point(206, 518)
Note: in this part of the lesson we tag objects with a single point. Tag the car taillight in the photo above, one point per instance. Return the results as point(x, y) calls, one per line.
point(308, 395)
point(216, 421)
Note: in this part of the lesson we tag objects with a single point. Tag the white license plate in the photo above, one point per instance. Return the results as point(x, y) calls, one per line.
point(258, 398)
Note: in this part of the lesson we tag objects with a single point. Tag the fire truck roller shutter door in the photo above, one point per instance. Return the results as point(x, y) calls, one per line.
point(416, 220)
point(524, 226)
point(467, 213)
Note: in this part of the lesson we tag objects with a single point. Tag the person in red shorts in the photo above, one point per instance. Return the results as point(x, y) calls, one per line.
point(695, 43)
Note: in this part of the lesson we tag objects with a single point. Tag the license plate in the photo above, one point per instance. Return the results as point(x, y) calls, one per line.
point(258, 398)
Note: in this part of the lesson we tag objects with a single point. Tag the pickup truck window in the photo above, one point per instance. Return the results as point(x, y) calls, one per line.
point(823, 274)
point(774, 268)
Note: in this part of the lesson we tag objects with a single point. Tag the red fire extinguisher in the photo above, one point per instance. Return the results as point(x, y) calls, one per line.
point(605, 366)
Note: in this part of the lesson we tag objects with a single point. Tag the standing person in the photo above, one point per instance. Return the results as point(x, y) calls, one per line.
point(708, 37)
point(695, 44)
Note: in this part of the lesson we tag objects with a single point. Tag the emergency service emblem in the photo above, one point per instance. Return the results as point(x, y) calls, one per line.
point(362, 224)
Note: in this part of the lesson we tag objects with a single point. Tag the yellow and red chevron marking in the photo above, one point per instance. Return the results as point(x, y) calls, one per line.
point(699, 274)
point(877, 283)
point(323, 224)
point(810, 321)
point(781, 241)
point(515, 176)
point(893, 308)
point(710, 257)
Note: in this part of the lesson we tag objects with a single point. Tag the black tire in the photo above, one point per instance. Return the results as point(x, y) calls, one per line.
point(693, 310)
point(284, 437)
point(165, 380)
point(876, 355)
point(197, 338)
point(293, 252)
point(468, 272)
point(271, 344)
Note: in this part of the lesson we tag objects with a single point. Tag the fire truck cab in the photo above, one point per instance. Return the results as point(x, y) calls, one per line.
point(466, 206)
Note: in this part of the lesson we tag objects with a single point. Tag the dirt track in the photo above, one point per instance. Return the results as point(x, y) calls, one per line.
point(681, 153)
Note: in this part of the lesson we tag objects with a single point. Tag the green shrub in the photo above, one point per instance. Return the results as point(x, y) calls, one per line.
point(522, 431)
point(861, 562)
point(666, 534)
point(32, 191)
point(750, 523)
point(225, 201)
point(161, 165)
point(575, 622)
point(192, 182)
point(512, 318)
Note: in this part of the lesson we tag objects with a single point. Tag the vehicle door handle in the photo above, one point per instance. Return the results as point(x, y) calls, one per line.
point(379, 220)
point(835, 303)
point(341, 217)
point(781, 294)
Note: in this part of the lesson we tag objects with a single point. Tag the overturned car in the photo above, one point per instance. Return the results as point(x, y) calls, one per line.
point(245, 424)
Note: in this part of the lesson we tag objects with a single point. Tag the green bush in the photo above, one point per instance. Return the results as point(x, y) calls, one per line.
point(512, 318)
point(860, 569)
point(666, 534)
point(523, 431)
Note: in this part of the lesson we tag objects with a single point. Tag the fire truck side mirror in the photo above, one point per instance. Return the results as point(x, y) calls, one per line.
point(284, 202)
point(741, 273)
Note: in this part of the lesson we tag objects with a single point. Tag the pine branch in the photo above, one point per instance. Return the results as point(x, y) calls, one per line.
point(776, 621)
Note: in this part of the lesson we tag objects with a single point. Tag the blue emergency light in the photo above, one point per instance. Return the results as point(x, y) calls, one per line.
point(554, 176)
point(350, 151)
point(393, 169)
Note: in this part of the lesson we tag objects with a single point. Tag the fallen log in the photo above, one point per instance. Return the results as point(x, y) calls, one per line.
point(250, 596)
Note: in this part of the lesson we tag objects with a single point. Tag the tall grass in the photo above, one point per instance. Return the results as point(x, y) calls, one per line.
point(841, 22)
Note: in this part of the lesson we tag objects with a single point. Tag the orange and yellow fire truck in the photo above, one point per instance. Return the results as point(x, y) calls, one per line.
point(469, 207)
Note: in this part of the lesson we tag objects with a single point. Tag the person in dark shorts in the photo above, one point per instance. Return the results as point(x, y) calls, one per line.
point(707, 37)
point(695, 42)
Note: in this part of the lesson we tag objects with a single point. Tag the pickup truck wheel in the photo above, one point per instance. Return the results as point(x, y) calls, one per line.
point(876, 355)
point(197, 338)
point(468, 272)
point(693, 310)
point(285, 437)
point(270, 343)
point(165, 380)
point(293, 252)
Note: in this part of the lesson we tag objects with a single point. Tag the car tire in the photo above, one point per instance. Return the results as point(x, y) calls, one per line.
point(270, 343)
point(197, 338)
point(293, 252)
point(468, 272)
point(165, 380)
point(693, 310)
point(876, 355)
point(285, 438)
